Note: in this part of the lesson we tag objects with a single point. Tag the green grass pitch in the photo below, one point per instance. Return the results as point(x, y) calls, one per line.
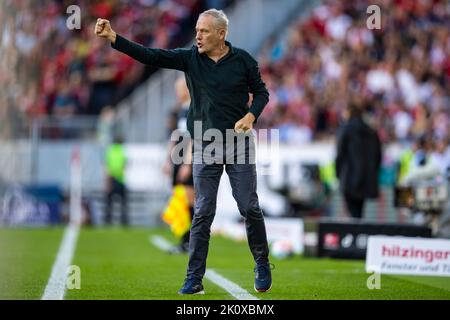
point(120, 263)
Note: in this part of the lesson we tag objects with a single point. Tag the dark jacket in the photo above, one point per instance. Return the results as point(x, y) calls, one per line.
point(358, 159)
point(219, 91)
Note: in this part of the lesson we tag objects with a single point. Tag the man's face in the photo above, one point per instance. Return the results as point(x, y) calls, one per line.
point(208, 37)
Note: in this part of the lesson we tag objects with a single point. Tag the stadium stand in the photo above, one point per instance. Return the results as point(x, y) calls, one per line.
point(48, 69)
point(313, 67)
point(320, 62)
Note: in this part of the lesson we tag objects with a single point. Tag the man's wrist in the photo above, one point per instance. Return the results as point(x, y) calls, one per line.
point(251, 116)
point(113, 37)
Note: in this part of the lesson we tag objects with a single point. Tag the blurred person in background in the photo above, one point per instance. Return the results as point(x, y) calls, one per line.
point(181, 173)
point(105, 126)
point(102, 76)
point(441, 155)
point(358, 160)
point(64, 108)
point(423, 165)
point(417, 158)
point(115, 181)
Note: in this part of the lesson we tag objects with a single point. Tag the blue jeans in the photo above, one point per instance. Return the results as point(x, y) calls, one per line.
point(243, 183)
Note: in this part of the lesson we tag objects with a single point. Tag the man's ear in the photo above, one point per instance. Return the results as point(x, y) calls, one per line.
point(222, 33)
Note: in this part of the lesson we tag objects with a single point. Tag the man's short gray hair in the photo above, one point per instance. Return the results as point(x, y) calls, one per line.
point(219, 16)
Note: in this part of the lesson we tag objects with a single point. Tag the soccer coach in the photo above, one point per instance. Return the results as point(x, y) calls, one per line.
point(219, 78)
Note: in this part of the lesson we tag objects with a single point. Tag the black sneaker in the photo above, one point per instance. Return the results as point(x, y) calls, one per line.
point(192, 286)
point(263, 277)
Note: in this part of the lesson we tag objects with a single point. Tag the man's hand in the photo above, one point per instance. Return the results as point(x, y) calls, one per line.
point(245, 124)
point(103, 29)
point(184, 173)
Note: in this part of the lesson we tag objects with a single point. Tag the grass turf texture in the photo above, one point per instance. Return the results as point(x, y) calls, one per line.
point(122, 264)
point(26, 260)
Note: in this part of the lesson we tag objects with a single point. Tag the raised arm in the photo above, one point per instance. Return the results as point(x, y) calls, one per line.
point(161, 58)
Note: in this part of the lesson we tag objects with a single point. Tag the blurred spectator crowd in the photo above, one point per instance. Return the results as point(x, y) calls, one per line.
point(47, 69)
point(400, 74)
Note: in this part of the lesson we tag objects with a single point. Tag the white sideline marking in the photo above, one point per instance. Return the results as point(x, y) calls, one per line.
point(229, 286)
point(160, 243)
point(56, 286)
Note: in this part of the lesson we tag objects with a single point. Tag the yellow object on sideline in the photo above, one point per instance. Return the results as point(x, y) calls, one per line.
point(177, 214)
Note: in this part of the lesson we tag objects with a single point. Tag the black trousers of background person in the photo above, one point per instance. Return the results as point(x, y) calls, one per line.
point(185, 237)
point(117, 190)
point(354, 205)
point(243, 183)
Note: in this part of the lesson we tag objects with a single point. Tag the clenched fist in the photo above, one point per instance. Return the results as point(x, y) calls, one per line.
point(245, 124)
point(103, 29)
